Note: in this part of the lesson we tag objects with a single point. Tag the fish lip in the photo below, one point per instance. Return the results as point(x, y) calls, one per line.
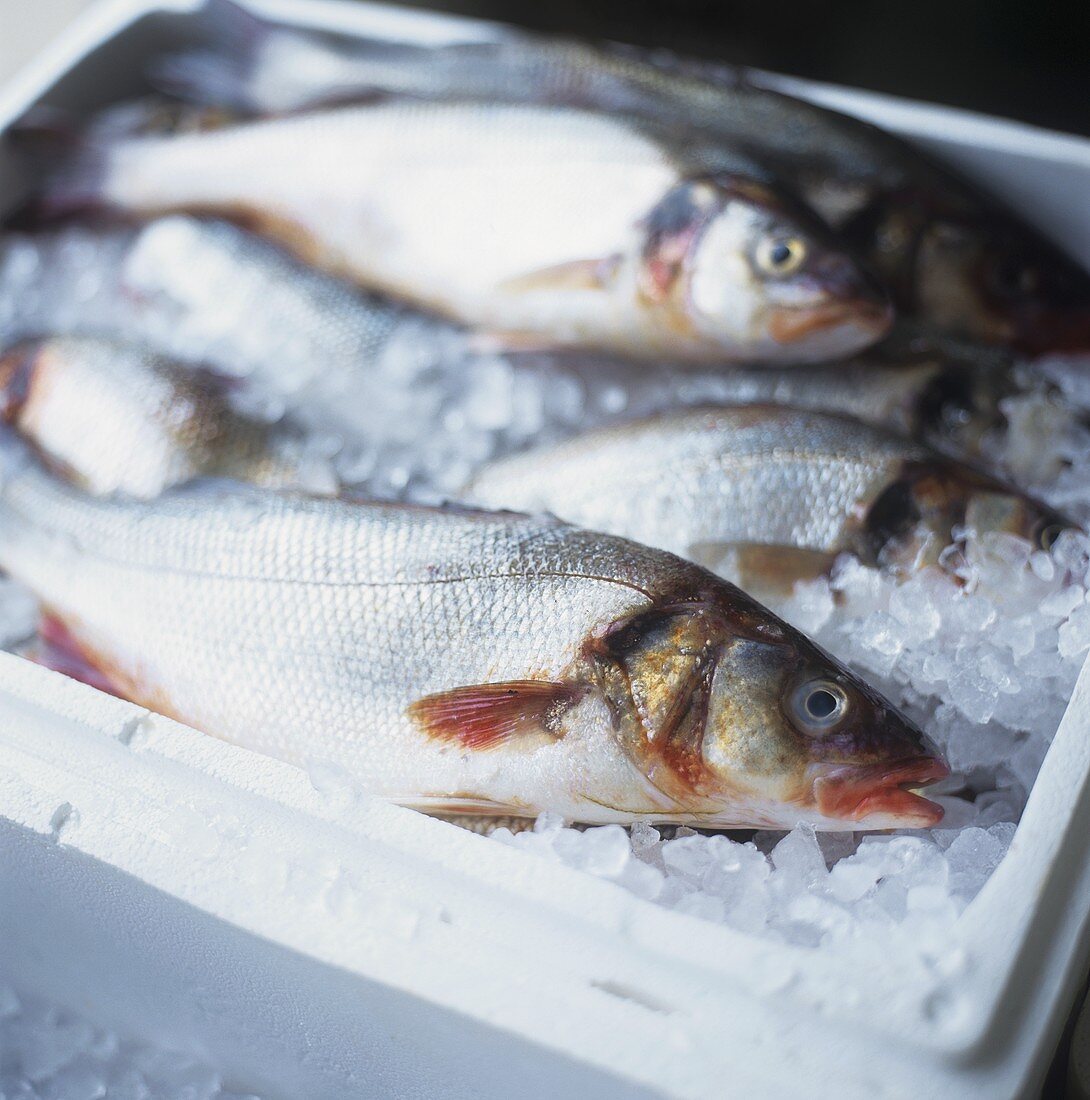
point(854, 792)
point(788, 326)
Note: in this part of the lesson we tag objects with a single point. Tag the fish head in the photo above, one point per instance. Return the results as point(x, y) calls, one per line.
point(931, 504)
point(747, 271)
point(739, 720)
point(977, 274)
point(815, 742)
point(1003, 285)
point(962, 403)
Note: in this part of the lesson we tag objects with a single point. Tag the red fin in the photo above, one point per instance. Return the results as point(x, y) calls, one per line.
point(484, 716)
point(60, 650)
point(573, 275)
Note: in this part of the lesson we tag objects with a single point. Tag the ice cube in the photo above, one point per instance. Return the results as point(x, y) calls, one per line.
point(799, 857)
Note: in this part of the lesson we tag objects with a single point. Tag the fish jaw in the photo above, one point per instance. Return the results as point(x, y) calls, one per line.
point(816, 333)
point(878, 796)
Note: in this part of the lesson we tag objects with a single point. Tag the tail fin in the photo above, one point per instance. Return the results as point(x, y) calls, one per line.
point(264, 68)
point(72, 160)
point(221, 73)
point(70, 163)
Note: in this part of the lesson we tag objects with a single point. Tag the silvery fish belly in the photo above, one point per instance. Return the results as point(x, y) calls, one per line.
point(462, 661)
point(786, 490)
point(120, 418)
point(545, 225)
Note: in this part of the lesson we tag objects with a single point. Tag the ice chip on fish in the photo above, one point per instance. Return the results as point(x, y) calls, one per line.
point(461, 661)
point(785, 490)
point(956, 259)
point(545, 225)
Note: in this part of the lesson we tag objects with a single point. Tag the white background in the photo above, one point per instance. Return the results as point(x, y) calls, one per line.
point(27, 25)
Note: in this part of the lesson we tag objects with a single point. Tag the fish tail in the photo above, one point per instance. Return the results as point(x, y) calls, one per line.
point(220, 73)
point(70, 163)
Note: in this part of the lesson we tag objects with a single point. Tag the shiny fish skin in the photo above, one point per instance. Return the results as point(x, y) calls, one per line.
point(307, 628)
point(704, 480)
point(542, 224)
point(956, 259)
point(120, 418)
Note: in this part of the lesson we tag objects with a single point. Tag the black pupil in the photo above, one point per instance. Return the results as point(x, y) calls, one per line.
point(781, 253)
point(821, 703)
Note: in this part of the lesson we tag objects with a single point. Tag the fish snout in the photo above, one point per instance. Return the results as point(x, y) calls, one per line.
point(883, 791)
point(836, 305)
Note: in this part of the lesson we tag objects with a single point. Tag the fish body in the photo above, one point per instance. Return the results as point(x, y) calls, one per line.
point(789, 489)
point(120, 418)
point(462, 661)
point(956, 259)
point(548, 226)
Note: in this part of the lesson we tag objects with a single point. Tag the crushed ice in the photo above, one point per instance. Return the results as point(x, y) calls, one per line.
point(984, 654)
point(49, 1053)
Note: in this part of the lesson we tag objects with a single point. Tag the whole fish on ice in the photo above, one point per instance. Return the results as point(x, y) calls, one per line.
point(462, 661)
point(785, 491)
point(544, 225)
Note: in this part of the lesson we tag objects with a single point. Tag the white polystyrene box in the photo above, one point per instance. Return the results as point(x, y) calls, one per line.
point(314, 944)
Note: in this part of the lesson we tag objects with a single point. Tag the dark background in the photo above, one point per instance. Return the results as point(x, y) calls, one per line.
point(1018, 58)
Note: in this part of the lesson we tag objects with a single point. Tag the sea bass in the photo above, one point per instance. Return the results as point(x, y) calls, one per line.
point(544, 225)
point(957, 260)
point(463, 661)
point(786, 490)
point(121, 418)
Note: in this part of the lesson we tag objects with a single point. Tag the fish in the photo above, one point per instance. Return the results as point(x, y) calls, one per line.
point(543, 226)
point(957, 260)
point(787, 491)
point(120, 418)
point(461, 661)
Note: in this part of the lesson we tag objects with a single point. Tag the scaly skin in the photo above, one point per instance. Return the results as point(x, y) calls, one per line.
point(548, 225)
point(317, 629)
point(763, 476)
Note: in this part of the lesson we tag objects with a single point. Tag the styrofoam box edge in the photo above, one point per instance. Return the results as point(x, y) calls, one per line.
point(482, 943)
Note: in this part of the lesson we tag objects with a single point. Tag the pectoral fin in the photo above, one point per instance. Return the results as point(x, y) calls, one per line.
point(593, 274)
point(486, 716)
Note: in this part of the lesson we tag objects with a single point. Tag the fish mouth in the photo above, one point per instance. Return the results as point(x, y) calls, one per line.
point(882, 791)
point(789, 326)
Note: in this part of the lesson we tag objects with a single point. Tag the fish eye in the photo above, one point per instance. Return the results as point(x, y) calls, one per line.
point(818, 706)
point(780, 255)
